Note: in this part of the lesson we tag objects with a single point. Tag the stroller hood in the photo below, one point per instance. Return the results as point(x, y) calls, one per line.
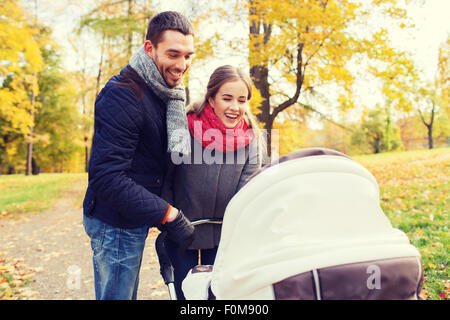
point(312, 209)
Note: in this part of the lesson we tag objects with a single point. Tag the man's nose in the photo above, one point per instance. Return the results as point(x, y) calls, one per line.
point(182, 64)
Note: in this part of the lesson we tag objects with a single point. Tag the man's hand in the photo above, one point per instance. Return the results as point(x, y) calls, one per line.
point(179, 229)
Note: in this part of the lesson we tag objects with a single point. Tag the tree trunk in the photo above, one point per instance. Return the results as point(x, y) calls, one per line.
point(35, 169)
point(130, 31)
point(86, 154)
point(260, 77)
point(260, 72)
point(260, 32)
point(429, 125)
point(430, 137)
point(100, 66)
point(29, 168)
point(377, 146)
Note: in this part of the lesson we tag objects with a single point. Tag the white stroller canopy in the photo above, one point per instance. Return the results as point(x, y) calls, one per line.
point(302, 214)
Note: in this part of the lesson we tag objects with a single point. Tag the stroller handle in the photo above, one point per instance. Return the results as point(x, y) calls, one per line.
point(207, 221)
point(166, 268)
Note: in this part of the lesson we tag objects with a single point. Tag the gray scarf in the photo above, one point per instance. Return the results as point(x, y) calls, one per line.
point(174, 98)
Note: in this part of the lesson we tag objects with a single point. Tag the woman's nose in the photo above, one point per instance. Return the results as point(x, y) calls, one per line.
point(234, 105)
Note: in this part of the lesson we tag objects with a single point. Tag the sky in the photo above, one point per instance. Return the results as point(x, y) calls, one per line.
point(432, 28)
point(430, 17)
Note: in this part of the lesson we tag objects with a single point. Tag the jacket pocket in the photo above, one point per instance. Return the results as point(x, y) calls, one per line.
point(152, 183)
point(95, 229)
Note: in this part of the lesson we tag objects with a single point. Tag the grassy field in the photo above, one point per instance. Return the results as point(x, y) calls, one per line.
point(20, 193)
point(414, 191)
point(414, 185)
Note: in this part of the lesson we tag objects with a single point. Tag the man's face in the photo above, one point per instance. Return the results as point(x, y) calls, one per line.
point(172, 55)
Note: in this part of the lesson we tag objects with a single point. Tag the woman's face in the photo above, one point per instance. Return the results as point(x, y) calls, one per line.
point(230, 102)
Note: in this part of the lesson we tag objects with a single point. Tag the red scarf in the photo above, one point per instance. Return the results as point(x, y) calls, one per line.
point(220, 138)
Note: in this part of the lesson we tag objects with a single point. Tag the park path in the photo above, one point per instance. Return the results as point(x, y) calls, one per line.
point(53, 252)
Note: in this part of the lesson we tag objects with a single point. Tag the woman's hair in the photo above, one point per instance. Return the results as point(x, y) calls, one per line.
point(219, 77)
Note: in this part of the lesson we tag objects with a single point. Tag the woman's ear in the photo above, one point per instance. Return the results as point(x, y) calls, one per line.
point(211, 102)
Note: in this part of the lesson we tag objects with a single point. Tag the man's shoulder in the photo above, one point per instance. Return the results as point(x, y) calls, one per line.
point(114, 92)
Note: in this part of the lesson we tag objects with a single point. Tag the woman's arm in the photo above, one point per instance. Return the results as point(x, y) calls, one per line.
point(252, 164)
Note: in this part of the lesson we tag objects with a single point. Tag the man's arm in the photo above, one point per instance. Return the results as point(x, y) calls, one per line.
point(118, 123)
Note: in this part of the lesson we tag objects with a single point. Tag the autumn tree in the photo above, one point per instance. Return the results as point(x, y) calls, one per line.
point(431, 106)
point(432, 99)
point(58, 132)
point(298, 48)
point(20, 61)
point(120, 27)
point(370, 135)
point(39, 119)
point(443, 76)
point(411, 130)
point(443, 89)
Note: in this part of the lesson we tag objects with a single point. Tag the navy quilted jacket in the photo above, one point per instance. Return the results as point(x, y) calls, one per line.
point(129, 158)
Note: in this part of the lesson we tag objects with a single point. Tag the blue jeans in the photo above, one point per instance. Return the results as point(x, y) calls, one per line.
point(184, 262)
point(117, 259)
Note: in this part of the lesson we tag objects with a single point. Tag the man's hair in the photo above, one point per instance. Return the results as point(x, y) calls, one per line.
point(167, 20)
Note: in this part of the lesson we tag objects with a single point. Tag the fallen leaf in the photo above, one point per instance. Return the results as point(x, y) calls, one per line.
point(443, 295)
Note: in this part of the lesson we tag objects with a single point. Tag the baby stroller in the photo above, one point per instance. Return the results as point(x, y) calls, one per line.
point(309, 226)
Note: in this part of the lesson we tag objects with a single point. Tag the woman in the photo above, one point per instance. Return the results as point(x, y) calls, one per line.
point(226, 146)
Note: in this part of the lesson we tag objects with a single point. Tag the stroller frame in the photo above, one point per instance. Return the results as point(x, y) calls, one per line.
point(166, 268)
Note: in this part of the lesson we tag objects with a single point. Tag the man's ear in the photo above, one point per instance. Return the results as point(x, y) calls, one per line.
point(149, 48)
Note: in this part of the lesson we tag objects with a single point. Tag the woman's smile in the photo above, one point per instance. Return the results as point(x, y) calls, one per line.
point(230, 102)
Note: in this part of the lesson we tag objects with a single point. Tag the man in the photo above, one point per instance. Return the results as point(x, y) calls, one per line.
point(137, 116)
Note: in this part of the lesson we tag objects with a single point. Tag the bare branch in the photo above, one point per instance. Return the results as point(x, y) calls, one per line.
point(299, 82)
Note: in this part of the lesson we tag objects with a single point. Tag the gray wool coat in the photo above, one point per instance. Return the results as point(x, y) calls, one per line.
point(203, 184)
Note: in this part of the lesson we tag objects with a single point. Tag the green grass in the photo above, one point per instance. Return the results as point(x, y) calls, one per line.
point(414, 192)
point(20, 193)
